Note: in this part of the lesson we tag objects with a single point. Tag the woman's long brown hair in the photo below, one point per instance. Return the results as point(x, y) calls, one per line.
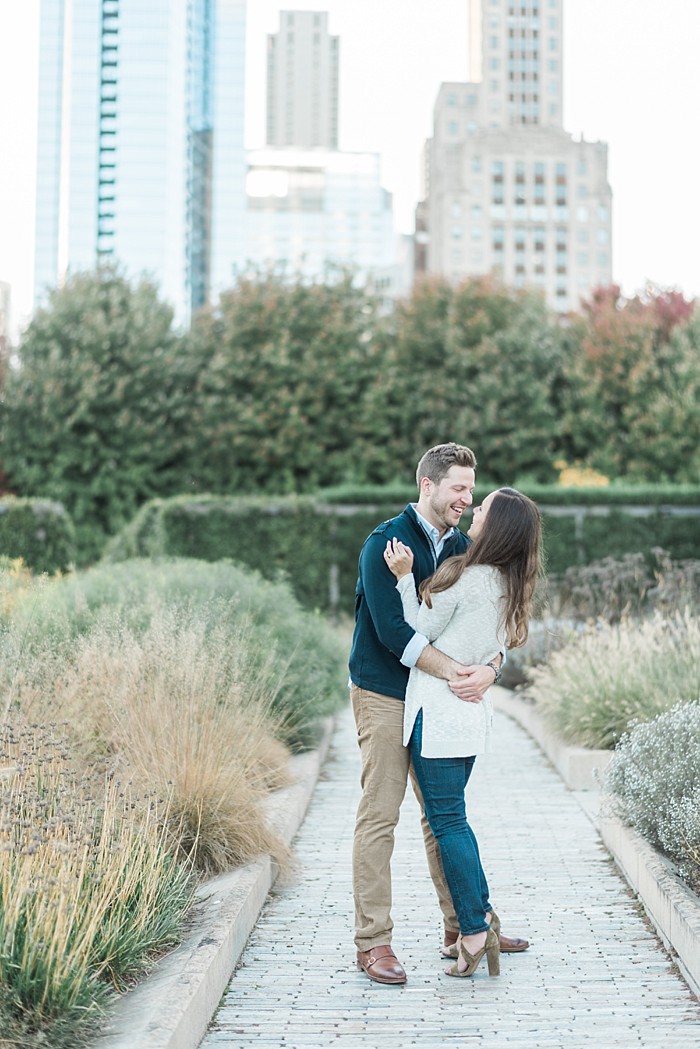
point(511, 540)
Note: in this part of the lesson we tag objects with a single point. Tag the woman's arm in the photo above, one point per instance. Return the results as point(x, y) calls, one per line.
point(432, 621)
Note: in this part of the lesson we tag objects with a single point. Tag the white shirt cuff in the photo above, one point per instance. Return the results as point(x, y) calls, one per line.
point(412, 652)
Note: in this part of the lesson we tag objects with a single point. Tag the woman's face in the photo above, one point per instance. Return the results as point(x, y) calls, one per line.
point(479, 515)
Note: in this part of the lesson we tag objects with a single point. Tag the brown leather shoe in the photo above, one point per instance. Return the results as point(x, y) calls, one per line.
point(513, 944)
point(509, 944)
point(381, 965)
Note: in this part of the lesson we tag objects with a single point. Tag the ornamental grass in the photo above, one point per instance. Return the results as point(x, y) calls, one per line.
point(607, 678)
point(175, 708)
point(89, 891)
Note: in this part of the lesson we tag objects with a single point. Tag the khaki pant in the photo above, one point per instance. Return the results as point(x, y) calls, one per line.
point(386, 765)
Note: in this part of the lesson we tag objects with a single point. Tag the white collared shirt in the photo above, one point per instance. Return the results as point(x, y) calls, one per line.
point(412, 651)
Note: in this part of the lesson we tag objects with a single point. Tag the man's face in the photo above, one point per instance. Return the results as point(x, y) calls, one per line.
point(443, 504)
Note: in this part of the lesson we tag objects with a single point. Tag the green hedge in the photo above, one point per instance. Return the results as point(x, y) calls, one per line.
point(38, 531)
point(315, 542)
point(545, 494)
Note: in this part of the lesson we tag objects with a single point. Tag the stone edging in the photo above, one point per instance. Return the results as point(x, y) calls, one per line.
point(672, 907)
point(173, 1007)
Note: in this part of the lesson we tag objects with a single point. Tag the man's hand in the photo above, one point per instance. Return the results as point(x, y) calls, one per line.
point(472, 682)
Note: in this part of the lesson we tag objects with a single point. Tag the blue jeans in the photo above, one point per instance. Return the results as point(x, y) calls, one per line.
point(442, 782)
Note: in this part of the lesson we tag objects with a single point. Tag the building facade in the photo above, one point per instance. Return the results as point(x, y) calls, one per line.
point(302, 82)
point(315, 210)
point(141, 157)
point(312, 208)
point(507, 190)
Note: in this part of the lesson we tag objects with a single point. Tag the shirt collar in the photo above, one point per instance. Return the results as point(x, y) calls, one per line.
point(432, 532)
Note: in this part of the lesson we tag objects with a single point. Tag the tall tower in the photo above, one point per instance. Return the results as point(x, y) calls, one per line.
point(515, 50)
point(141, 155)
point(302, 82)
point(510, 192)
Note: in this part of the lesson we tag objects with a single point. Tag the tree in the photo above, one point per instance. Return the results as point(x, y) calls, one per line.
point(95, 412)
point(631, 401)
point(283, 368)
point(478, 364)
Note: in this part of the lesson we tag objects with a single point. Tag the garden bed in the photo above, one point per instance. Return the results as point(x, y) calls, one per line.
point(673, 908)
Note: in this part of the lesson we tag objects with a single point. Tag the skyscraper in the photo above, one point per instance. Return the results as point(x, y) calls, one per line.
point(141, 155)
point(507, 189)
point(311, 207)
point(302, 82)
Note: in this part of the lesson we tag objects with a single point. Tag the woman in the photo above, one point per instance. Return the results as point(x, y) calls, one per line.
point(472, 607)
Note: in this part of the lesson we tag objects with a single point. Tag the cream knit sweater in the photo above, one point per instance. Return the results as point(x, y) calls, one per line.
point(464, 622)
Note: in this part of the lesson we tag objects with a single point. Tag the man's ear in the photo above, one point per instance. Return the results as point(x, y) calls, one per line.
point(425, 485)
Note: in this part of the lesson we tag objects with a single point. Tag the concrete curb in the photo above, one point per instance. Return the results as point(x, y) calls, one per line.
point(172, 1008)
point(673, 908)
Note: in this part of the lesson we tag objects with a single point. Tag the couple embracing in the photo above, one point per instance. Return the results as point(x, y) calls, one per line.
point(435, 612)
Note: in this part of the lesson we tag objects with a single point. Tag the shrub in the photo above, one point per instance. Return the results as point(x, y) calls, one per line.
point(608, 677)
point(38, 531)
point(97, 412)
point(612, 589)
point(654, 785)
point(88, 891)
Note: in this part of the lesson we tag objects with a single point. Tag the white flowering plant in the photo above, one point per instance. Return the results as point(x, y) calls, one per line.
point(653, 784)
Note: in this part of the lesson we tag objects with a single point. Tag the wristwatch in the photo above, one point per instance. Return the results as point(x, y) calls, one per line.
point(497, 671)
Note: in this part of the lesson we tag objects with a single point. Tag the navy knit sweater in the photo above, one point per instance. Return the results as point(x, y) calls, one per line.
point(381, 632)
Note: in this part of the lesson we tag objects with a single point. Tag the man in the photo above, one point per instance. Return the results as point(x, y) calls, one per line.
point(384, 648)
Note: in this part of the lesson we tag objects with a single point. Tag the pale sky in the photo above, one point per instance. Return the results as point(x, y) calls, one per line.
point(631, 78)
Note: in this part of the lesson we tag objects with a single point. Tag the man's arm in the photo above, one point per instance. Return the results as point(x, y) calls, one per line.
point(468, 683)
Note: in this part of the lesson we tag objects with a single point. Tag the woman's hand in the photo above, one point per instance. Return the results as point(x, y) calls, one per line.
point(399, 558)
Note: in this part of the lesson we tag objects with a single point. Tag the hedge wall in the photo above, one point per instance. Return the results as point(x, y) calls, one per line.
point(38, 531)
point(315, 542)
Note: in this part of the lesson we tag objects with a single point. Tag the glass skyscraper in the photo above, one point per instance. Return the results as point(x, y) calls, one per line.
point(141, 155)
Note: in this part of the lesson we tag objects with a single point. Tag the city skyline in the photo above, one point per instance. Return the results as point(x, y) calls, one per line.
point(629, 77)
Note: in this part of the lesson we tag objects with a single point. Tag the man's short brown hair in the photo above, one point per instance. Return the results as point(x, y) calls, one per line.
point(437, 461)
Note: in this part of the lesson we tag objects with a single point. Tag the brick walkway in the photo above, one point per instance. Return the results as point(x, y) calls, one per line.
point(595, 974)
